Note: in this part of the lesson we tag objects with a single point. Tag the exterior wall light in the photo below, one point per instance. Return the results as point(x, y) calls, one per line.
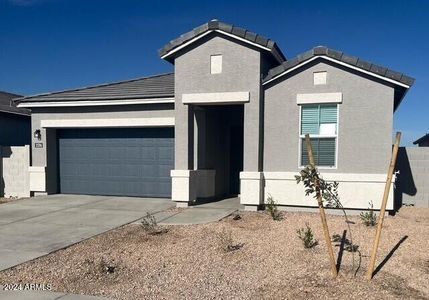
point(37, 134)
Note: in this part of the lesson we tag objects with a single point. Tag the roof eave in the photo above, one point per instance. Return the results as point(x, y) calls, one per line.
point(33, 98)
point(96, 102)
point(16, 111)
point(337, 57)
point(418, 141)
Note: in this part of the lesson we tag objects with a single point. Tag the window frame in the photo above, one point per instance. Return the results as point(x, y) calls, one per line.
point(302, 136)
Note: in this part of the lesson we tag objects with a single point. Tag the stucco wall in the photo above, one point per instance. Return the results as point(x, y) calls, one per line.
point(14, 174)
point(240, 73)
point(364, 136)
point(412, 186)
point(364, 121)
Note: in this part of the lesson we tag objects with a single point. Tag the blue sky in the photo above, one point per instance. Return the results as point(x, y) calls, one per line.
point(48, 45)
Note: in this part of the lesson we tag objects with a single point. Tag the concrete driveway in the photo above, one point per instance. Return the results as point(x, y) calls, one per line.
point(34, 227)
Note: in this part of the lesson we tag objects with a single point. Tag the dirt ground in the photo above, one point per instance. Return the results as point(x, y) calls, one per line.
point(6, 200)
point(270, 262)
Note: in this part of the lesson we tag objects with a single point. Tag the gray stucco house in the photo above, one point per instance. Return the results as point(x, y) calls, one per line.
point(230, 120)
point(15, 123)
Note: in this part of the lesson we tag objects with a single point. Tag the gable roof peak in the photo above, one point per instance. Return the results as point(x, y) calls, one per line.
point(233, 31)
point(342, 58)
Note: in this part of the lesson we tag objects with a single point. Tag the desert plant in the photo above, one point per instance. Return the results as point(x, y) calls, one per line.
point(272, 209)
point(348, 246)
point(151, 226)
point(315, 185)
point(226, 242)
point(106, 266)
point(307, 237)
point(369, 218)
point(236, 216)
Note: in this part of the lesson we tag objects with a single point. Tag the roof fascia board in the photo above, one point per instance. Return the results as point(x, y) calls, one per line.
point(277, 56)
point(186, 44)
point(340, 63)
point(96, 103)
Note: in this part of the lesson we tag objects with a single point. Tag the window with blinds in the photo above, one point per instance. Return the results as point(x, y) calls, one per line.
point(320, 121)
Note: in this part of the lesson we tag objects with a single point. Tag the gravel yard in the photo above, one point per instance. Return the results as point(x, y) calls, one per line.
point(270, 262)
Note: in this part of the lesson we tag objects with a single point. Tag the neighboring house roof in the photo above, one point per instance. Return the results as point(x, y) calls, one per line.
point(143, 89)
point(422, 139)
point(7, 105)
point(224, 28)
point(322, 51)
point(5, 98)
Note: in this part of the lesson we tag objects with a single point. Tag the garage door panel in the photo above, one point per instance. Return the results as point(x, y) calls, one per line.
point(131, 162)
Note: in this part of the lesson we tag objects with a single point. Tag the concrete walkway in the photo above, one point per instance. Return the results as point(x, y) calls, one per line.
point(200, 214)
point(34, 227)
point(44, 295)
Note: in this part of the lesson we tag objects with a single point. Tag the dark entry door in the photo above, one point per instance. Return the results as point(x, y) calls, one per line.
point(116, 161)
point(236, 159)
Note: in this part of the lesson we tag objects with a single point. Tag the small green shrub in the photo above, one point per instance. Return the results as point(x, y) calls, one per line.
point(107, 266)
point(348, 246)
point(226, 242)
point(236, 216)
point(272, 209)
point(369, 218)
point(307, 237)
point(151, 226)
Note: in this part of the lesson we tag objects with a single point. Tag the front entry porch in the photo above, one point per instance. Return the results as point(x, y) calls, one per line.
point(217, 154)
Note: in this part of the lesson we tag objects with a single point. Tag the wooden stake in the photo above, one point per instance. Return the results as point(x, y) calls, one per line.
point(322, 210)
point(383, 207)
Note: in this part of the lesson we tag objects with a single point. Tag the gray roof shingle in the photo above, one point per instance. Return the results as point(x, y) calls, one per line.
point(230, 29)
point(8, 106)
point(157, 86)
point(340, 56)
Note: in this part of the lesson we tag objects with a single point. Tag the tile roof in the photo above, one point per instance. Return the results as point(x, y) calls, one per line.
point(227, 28)
point(342, 57)
point(7, 105)
point(157, 86)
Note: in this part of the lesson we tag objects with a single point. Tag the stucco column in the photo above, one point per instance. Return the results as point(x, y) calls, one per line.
point(37, 170)
point(251, 179)
point(183, 177)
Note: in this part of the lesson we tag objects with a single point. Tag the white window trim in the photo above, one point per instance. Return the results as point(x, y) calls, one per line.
point(319, 98)
point(301, 136)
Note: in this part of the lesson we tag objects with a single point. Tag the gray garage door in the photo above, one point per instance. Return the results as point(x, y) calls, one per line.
point(125, 162)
